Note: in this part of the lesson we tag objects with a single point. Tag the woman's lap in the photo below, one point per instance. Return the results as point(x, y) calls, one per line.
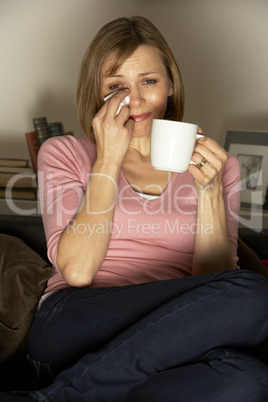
point(154, 326)
point(94, 316)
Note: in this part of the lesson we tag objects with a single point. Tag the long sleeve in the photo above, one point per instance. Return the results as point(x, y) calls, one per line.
point(64, 165)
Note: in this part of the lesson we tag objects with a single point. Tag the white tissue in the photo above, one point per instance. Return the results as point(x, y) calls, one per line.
point(124, 102)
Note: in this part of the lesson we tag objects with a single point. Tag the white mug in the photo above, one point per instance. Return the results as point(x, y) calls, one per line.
point(172, 144)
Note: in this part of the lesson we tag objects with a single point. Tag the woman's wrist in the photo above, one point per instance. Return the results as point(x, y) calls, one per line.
point(108, 166)
point(210, 201)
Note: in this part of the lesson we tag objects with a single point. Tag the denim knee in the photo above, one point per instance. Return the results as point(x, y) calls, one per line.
point(248, 284)
point(256, 291)
point(223, 375)
point(241, 377)
point(248, 292)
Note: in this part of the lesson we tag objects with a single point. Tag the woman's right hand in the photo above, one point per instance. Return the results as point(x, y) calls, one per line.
point(113, 133)
point(79, 256)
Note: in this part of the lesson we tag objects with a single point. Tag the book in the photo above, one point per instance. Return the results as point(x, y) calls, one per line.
point(18, 180)
point(42, 129)
point(16, 169)
point(18, 193)
point(13, 162)
point(55, 128)
point(33, 148)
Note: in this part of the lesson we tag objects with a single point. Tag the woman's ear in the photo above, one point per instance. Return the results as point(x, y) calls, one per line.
point(170, 91)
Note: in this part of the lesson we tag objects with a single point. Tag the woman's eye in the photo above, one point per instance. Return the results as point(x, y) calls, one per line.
point(115, 86)
point(150, 82)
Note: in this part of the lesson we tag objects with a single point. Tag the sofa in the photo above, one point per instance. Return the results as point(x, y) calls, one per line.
point(15, 372)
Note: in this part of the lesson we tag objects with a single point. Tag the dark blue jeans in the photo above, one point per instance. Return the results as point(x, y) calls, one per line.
point(178, 340)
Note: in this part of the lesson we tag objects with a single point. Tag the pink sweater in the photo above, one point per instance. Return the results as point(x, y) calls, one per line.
point(151, 240)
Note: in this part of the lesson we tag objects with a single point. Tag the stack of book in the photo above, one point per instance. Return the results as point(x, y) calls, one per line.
point(17, 179)
point(42, 131)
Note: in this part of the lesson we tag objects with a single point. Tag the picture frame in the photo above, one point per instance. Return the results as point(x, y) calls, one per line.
point(251, 150)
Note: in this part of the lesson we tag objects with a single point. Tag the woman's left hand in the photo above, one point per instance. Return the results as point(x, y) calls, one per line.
point(212, 251)
point(210, 159)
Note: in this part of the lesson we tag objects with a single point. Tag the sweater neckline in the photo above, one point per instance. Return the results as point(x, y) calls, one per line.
point(143, 200)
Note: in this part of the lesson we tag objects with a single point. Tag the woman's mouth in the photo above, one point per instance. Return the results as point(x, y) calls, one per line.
point(139, 117)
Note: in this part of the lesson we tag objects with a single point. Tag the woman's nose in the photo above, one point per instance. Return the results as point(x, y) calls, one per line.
point(136, 98)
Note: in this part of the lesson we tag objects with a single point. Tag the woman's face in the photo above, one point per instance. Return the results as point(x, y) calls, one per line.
point(145, 75)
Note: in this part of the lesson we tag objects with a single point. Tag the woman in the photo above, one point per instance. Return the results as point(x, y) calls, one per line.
point(145, 301)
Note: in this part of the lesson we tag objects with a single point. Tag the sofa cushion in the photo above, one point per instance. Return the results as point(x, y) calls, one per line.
point(23, 277)
point(27, 228)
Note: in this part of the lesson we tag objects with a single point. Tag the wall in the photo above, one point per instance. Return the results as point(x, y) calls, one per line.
point(221, 47)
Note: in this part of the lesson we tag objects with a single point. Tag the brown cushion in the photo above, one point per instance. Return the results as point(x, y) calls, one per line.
point(23, 277)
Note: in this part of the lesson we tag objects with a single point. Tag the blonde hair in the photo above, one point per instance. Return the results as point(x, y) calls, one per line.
point(121, 38)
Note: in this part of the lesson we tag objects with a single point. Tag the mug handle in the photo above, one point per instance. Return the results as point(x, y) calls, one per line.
point(197, 137)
